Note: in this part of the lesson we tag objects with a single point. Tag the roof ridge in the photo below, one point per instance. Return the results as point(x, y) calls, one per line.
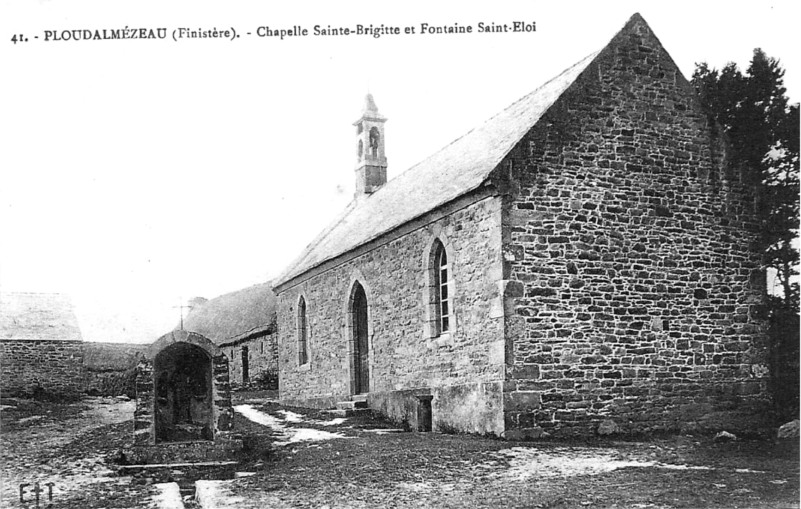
point(495, 149)
point(459, 167)
point(488, 119)
point(320, 236)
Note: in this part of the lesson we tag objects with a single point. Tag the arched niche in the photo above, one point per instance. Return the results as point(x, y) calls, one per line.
point(183, 405)
point(182, 391)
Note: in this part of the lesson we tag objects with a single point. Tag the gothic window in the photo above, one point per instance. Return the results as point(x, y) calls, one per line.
point(361, 149)
point(303, 354)
point(442, 297)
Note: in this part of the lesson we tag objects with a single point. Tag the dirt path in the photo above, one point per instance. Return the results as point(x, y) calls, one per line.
point(297, 458)
point(377, 469)
point(46, 447)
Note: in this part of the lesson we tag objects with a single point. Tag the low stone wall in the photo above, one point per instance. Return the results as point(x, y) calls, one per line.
point(109, 368)
point(323, 402)
point(110, 383)
point(404, 408)
point(48, 369)
point(468, 408)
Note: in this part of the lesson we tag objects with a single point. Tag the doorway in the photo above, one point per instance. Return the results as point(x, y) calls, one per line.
point(361, 349)
point(245, 373)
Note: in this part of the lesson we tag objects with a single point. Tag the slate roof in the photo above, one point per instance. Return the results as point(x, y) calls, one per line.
point(38, 316)
point(234, 316)
point(455, 170)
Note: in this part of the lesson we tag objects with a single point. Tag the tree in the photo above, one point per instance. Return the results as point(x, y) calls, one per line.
point(763, 131)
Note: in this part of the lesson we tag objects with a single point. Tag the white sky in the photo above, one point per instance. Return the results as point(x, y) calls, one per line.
point(137, 173)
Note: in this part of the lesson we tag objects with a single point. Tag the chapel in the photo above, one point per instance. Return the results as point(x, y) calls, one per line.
point(582, 261)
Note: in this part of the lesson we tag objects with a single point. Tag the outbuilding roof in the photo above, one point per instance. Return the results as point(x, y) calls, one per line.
point(234, 316)
point(38, 316)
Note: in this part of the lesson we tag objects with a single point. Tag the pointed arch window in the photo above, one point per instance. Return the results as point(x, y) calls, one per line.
point(442, 297)
point(375, 138)
point(303, 333)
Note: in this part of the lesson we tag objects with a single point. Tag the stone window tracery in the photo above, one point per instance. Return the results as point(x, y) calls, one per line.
point(440, 289)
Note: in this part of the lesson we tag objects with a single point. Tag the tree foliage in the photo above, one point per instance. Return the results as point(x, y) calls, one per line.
point(763, 131)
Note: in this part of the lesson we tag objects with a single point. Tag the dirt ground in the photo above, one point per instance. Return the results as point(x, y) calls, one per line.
point(67, 445)
point(300, 458)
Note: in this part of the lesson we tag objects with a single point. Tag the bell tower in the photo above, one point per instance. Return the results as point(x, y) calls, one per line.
point(371, 164)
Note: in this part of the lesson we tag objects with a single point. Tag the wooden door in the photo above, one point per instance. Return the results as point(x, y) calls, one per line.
point(245, 366)
point(361, 350)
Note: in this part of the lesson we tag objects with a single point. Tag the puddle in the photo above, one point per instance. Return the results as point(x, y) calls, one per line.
point(291, 416)
point(333, 422)
point(259, 417)
point(526, 463)
point(286, 435)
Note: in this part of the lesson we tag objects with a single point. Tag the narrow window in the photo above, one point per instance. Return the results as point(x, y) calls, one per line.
point(262, 347)
point(442, 297)
point(375, 136)
point(303, 355)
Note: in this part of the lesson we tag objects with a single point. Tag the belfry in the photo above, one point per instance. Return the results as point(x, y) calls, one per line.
point(371, 165)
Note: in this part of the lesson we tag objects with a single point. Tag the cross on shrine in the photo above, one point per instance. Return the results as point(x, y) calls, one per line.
point(182, 307)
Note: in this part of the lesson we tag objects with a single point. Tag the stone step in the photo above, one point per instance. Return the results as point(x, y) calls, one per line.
point(359, 397)
point(349, 413)
point(351, 405)
point(135, 469)
point(167, 496)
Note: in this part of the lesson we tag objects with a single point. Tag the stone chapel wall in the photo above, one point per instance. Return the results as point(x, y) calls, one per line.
point(637, 294)
point(462, 370)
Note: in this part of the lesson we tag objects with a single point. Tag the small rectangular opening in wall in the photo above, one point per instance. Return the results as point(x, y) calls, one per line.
point(424, 414)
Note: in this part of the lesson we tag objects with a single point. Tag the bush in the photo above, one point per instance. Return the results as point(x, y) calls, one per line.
point(265, 380)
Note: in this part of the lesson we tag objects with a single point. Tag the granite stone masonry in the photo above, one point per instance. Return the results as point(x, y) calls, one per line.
point(42, 368)
point(403, 353)
point(254, 359)
point(41, 348)
point(183, 401)
point(243, 325)
point(582, 263)
point(630, 244)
